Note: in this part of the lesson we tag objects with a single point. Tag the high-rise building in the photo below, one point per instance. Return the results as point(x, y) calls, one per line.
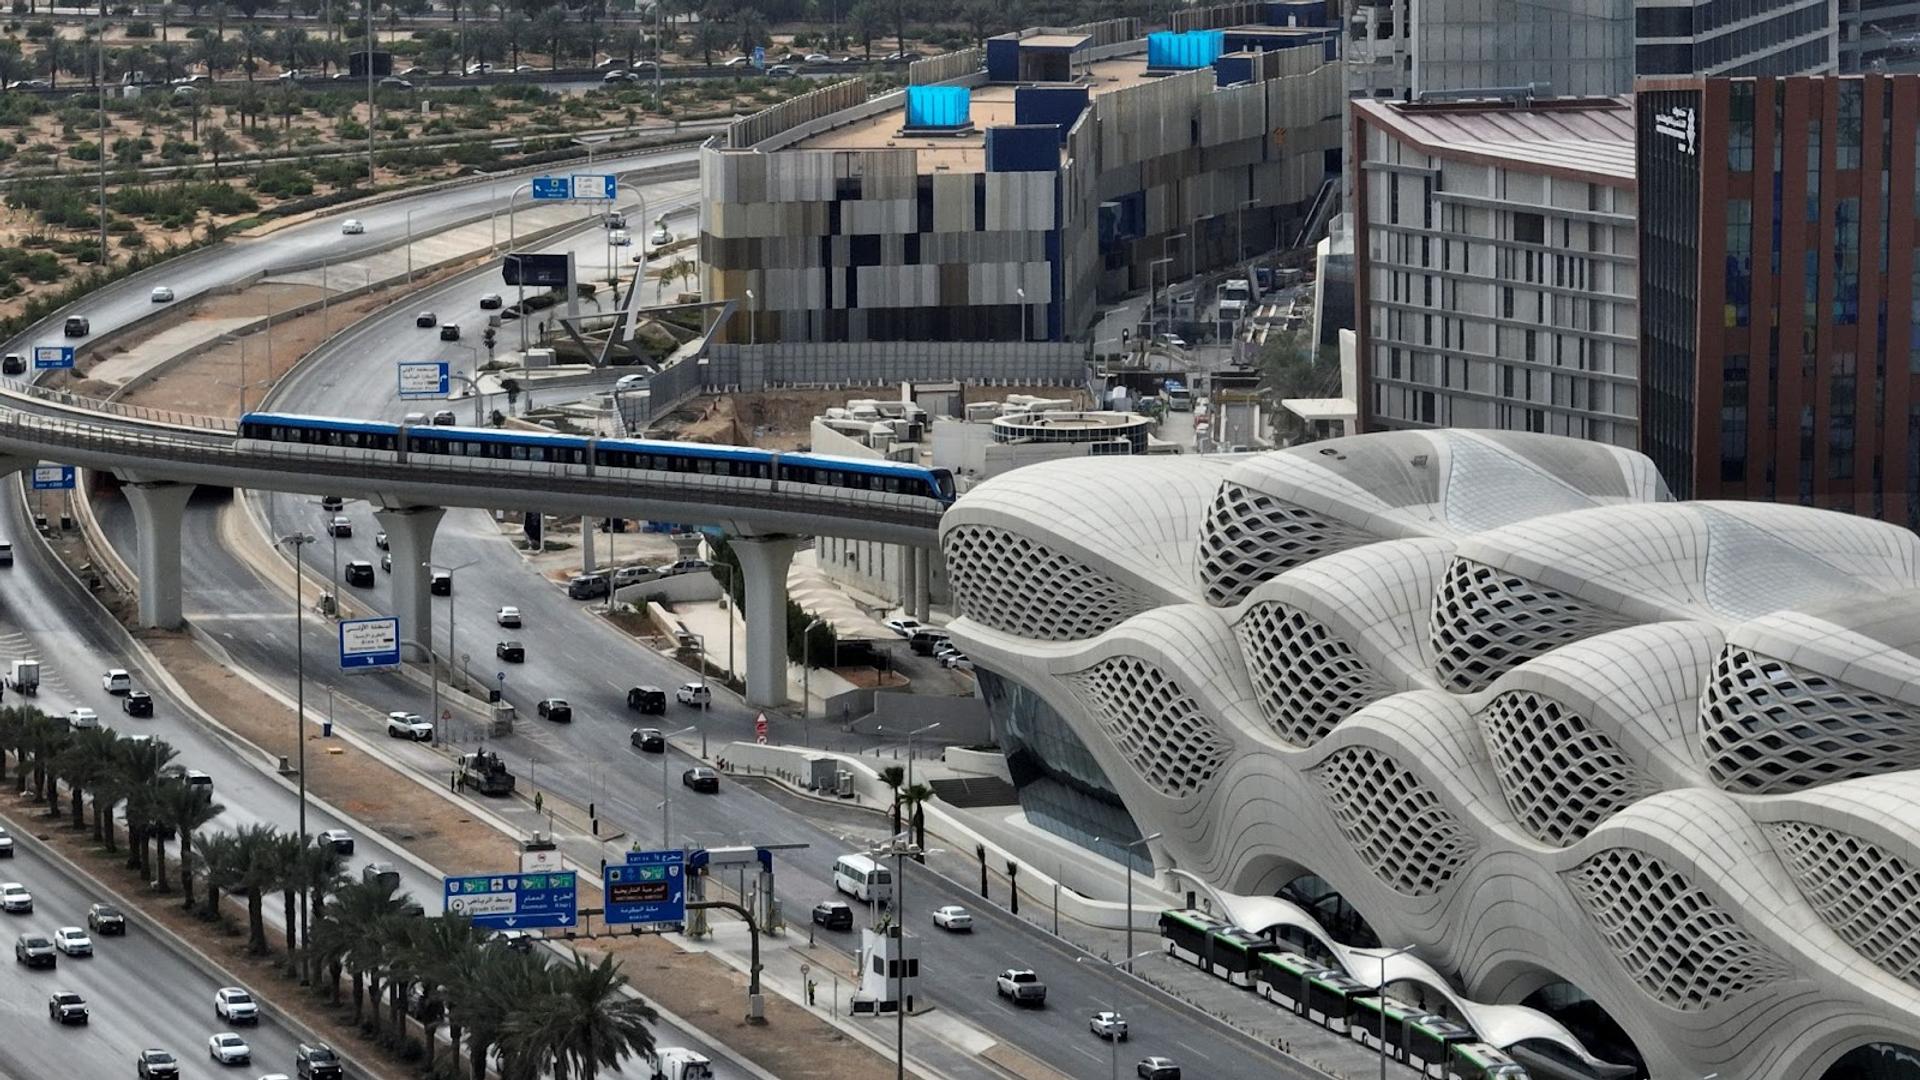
point(1745, 37)
point(1879, 35)
point(1495, 266)
point(1780, 290)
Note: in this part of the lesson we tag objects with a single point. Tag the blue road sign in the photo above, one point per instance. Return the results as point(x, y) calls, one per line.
point(369, 643)
point(423, 378)
point(514, 901)
point(552, 187)
point(595, 186)
point(53, 478)
point(760, 57)
point(651, 887)
point(49, 357)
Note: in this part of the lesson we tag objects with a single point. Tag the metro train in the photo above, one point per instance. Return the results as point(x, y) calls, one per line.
point(594, 454)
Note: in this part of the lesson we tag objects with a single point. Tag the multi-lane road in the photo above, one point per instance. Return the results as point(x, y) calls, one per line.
point(573, 654)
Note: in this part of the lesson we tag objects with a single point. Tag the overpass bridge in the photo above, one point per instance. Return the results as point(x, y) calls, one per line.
point(161, 457)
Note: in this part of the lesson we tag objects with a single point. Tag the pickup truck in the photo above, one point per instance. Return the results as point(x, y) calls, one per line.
point(1021, 986)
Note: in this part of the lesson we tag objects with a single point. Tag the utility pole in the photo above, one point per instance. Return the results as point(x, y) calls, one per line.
point(100, 66)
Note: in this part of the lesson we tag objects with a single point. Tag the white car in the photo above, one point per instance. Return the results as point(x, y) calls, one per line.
point(352, 227)
point(162, 295)
point(952, 917)
point(903, 627)
point(406, 725)
point(1108, 1025)
point(235, 1006)
point(6, 845)
point(661, 234)
point(693, 693)
point(508, 616)
point(116, 681)
point(229, 1049)
point(83, 718)
point(818, 58)
point(619, 237)
point(73, 941)
point(15, 899)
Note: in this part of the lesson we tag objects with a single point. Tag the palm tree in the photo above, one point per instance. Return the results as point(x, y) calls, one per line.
point(864, 23)
point(255, 41)
point(218, 858)
point(142, 767)
point(46, 737)
point(218, 142)
point(488, 994)
point(893, 776)
point(917, 797)
point(186, 807)
point(87, 760)
point(320, 876)
point(708, 33)
point(346, 935)
point(516, 27)
point(435, 952)
point(258, 872)
point(584, 1023)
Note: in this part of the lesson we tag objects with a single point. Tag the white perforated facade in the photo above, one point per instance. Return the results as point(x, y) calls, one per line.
point(1519, 708)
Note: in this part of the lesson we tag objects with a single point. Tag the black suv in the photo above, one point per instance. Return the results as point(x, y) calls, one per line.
point(137, 703)
point(317, 1062)
point(647, 700)
point(360, 573)
point(511, 651)
point(556, 710)
point(106, 920)
point(78, 326)
point(833, 914)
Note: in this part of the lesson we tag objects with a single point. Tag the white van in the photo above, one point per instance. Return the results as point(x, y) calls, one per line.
point(863, 879)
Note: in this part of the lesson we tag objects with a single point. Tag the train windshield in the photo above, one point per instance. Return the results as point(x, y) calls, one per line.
point(943, 483)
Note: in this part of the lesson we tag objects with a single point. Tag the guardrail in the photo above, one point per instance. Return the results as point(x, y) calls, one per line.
point(730, 496)
point(67, 399)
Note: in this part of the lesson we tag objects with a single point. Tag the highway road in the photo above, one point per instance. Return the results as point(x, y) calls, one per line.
point(142, 994)
point(386, 224)
point(574, 655)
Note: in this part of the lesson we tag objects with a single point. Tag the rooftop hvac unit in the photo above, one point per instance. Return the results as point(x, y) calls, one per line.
point(904, 452)
point(880, 438)
point(863, 412)
point(980, 412)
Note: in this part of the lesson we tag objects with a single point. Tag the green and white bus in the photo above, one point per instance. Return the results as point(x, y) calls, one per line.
point(1186, 933)
point(1479, 1061)
point(1372, 1019)
point(1235, 953)
point(1431, 1039)
point(1281, 977)
point(1330, 996)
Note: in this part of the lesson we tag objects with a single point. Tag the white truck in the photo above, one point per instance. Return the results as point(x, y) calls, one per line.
point(24, 676)
point(680, 1063)
point(1022, 987)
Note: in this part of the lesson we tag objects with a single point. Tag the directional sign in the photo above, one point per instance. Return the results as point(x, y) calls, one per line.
point(594, 187)
point(649, 888)
point(760, 57)
point(369, 643)
point(48, 357)
point(423, 378)
point(53, 478)
point(514, 901)
point(552, 187)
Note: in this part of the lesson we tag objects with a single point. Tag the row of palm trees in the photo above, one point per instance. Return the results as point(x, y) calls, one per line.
point(909, 801)
point(523, 1012)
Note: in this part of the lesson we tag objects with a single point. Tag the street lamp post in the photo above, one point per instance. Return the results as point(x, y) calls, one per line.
point(410, 244)
point(899, 848)
point(1153, 300)
point(1128, 861)
point(1022, 294)
point(520, 301)
point(1165, 241)
point(1113, 1041)
point(1383, 1004)
point(666, 793)
point(433, 662)
point(753, 331)
point(298, 541)
point(806, 669)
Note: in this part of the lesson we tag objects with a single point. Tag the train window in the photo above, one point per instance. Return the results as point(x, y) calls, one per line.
point(704, 466)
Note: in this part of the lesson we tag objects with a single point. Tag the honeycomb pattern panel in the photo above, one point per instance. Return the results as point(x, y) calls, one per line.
point(1561, 777)
point(1307, 680)
point(1019, 586)
point(1406, 836)
point(1250, 537)
point(1485, 622)
point(1869, 896)
point(1769, 727)
point(1683, 949)
point(1156, 725)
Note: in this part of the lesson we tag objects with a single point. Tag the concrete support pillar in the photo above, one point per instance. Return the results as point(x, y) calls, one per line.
point(157, 511)
point(922, 583)
point(410, 532)
point(588, 525)
point(763, 567)
point(908, 567)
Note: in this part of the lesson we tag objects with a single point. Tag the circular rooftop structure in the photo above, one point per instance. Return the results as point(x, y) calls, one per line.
point(1076, 427)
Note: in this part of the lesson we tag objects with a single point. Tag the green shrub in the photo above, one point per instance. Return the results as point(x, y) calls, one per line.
point(39, 31)
point(140, 29)
point(283, 181)
point(339, 172)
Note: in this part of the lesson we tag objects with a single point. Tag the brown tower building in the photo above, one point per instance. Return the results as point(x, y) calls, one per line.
point(1780, 290)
